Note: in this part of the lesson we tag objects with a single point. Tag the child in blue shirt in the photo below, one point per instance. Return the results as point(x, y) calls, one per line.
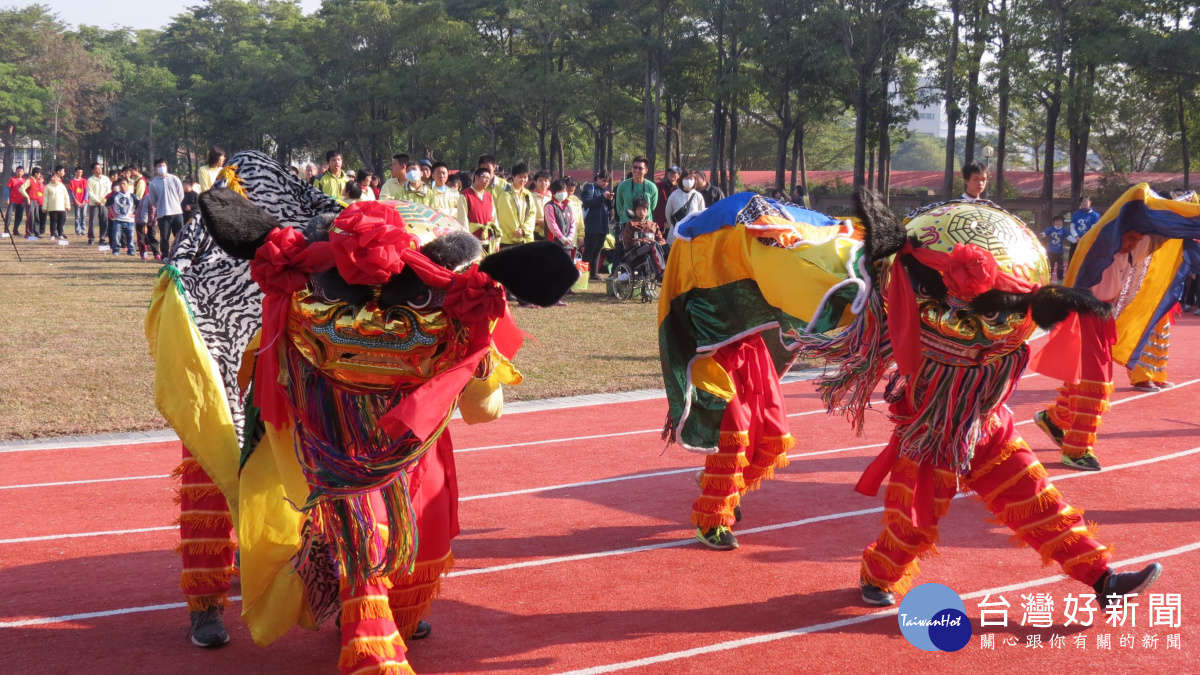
point(1055, 236)
point(1081, 221)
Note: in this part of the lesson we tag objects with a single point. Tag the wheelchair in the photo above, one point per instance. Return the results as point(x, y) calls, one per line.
point(638, 274)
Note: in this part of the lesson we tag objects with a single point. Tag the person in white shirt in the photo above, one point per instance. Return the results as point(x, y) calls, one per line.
point(99, 185)
point(363, 178)
point(57, 201)
point(975, 179)
point(682, 202)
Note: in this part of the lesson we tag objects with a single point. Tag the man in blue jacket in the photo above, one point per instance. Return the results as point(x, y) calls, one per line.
point(597, 202)
point(1081, 221)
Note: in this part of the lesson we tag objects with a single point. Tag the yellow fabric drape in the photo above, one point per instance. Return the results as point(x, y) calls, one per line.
point(733, 253)
point(1137, 316)
point(188, 388)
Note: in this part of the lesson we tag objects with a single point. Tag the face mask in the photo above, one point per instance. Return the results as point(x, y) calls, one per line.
point(441, 188)
point(414, 176)
point(560, 196)
point(161, 170)
point(688, 183)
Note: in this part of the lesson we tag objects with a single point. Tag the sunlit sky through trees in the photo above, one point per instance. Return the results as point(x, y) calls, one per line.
point(132, 13)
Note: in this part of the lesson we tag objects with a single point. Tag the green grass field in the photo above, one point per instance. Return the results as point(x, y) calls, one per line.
point(73, 355)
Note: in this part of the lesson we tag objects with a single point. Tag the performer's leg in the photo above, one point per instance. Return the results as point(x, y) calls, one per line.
point(1017, 490)
point(433, 489)
point(1072, 420)
point(889, 564)
point(770, 438)
point(371, 645)
point(206, 546)
point(722, 482)
point(1151, 370)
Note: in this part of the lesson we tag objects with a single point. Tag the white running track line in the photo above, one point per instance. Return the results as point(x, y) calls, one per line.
point(842, 623)
point(819, 411)
point(779, 526)
point(54, 537)
point(99, 615)
point(581, 438)
point(604, 554)
point(81, 482)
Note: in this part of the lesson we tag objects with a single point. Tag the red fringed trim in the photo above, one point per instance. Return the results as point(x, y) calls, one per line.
point(894, 518)
point(191, 578)
point(1006, 451)
point(205, 519)
point(363, 607)
point(1103, 553)
point(198, 490)
point(1093, 387)
point(364, 646)
point(200, 603)
point(734, 439)
point(205, 546)
point(387, 668)
point(1033, 471)
point(901, 577)
point(727, 460)
point(777, 444)
point(733, 482)
point(1065, 540)
point(920, 549)
point(1017, 511)
point(1063, 520)
point(189, 467)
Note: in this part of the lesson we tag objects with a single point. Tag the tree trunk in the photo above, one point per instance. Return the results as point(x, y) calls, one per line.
point(800, 137)
point(978, 46)
point(553, 152)
point(796, 155)
point(951, 102)
point(870, 163)
point(651, 121)
point(1002, 105)
point(1053, 104)
point(781, 147)
point(860, 131)
point(1079, 115)
point(733, 139)
point(884, 180)
point(1183, 139)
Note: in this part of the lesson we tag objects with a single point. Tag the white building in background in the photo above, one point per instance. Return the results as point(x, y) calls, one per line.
point(931, 118)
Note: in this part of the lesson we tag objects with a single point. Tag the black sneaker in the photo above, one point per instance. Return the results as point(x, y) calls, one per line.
point(737, 514)
point(423, 630)
point(1114, 585)
point(1086, 462)
point(876, 596)
point(1042, 419)
point(720, 538)
point(208, 630)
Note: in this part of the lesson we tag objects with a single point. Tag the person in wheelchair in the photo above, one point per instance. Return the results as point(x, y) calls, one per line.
point(643, 237)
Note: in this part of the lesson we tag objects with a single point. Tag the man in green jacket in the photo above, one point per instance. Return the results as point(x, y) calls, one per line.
point(333, 181)
point(635, 188)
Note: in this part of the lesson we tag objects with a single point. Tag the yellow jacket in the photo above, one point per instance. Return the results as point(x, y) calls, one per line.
point(516, 210)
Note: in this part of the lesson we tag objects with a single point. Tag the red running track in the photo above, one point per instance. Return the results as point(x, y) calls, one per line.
point(575, 554)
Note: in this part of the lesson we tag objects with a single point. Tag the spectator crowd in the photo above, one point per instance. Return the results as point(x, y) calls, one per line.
point(140, 213)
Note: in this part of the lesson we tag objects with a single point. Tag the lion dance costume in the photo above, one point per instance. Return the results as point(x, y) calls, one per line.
point(374, 329)
point(965, 287)
point(1137, 258)
point(729, 318)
